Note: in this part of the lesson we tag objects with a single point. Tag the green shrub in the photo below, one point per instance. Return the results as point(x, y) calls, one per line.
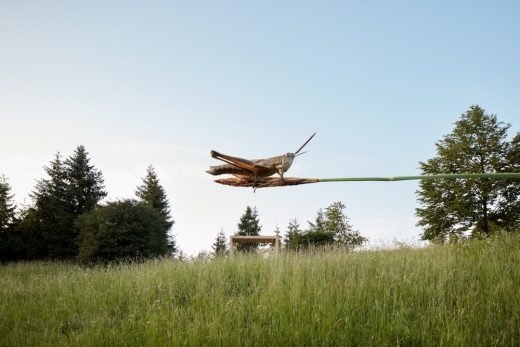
point(122, 229)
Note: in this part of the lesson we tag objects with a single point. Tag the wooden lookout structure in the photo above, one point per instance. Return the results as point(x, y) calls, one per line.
point(235, 239)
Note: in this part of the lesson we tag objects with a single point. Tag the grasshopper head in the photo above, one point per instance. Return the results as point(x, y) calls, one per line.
point(287, 160)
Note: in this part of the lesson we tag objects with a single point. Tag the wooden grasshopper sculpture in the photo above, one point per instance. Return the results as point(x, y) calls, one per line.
point(252, 171)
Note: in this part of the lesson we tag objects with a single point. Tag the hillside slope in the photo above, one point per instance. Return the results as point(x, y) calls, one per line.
point(456, 295)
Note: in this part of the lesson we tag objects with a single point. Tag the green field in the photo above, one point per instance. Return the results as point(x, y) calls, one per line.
point(458, 295)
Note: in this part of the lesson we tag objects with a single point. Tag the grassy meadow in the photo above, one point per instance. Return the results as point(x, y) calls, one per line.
point(457, 295)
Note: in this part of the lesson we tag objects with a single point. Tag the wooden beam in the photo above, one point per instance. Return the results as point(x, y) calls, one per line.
point(272, 240)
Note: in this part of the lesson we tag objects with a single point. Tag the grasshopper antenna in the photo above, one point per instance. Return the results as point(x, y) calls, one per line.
point(306, 142)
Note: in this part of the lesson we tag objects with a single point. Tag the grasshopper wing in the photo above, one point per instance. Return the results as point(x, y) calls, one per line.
point(244, 164)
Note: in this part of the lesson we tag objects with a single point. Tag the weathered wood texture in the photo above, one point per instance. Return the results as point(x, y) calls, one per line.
point(265, 182)
point(234, 239)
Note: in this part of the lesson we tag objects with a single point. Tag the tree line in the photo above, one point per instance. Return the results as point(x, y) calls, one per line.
point(66, 220)
point(330, 228)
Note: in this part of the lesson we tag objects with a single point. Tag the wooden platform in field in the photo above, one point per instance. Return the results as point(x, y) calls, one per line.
point(234, 239)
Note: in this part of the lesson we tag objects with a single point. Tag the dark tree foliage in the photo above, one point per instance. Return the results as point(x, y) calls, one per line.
point(317, 234)
point(337, 223)
point(29, 242)
point(249, 226)
point(220, 245)
point(453, 207)
point(122, 229)
point(292, 239)
point(53, 213)
point(72, 188)
point(85, 183)
point(152, 193)
point(331, 227)
point(7, 221)
point(509, 204)
point(316, 238)
point(7, 206)
point(318, 224)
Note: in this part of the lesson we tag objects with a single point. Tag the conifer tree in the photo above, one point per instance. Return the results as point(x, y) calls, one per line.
point(85, 183)
point(29, 241)
point(54, 212)
point(319, 223)
point(72, 188)
point(7, 221)
point(7, 206)
point(277, 232)
point(152, 193)
point(220, 245)
point(293, 235)
point(317, 234)
point(249, 226)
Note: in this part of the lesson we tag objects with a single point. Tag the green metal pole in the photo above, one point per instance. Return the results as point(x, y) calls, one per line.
point(496, 175)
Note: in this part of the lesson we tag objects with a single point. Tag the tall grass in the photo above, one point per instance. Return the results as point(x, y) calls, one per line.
point(458, 295)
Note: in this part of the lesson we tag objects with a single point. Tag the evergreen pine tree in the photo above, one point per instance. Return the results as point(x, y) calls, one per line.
point(293, 235)
point(7, 221)
point(277, 232)
point(249, 226)
point(7, 206)
point(319, 222)
point(72, 188)
point(317, 234)
point(85, 183)
point(29, 241)
point(152, 193)
point(220, 245)
point(53, 213)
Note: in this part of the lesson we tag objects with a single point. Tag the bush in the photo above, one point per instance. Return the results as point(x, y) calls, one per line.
point(122, 229)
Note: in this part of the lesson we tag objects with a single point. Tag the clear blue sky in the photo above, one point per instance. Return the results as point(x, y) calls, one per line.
point(163, 83)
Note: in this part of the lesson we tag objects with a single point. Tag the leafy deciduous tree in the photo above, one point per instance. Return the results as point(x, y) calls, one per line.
point(317, 233)
point(337, 223)
point(453, 207)
point(509, 204)
point(121, 229)
point(331, 227)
